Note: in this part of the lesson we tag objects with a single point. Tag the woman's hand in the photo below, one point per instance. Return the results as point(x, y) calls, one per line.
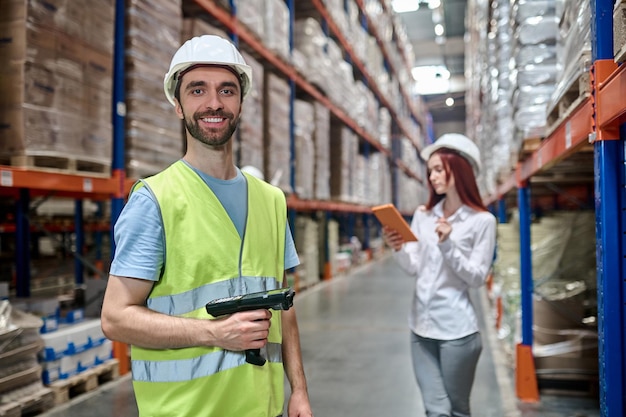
point(392, 238)
point(443, 229)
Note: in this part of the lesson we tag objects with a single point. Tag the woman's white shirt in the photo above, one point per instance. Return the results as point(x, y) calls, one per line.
point(441, 307)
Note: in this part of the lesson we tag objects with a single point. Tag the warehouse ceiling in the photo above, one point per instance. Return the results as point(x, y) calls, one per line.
point(447, 51)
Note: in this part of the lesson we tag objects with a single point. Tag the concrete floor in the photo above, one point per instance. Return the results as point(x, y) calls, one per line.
point(356, 354)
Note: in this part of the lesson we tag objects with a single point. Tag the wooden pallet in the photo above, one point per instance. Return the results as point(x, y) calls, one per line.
point(57, 163)
point(574, 96)
point(565, 384)
point(86, 381)
point(10, 410)
point(529, 145)
point(30, 404)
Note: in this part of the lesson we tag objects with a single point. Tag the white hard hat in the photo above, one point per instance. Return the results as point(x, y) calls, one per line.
point(209, 50)
point(459, 143)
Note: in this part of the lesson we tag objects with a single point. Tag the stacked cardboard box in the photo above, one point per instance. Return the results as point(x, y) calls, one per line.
point(306, 235)
point(345, 146)
point(305, 148)
point(276, 131)
point(250, 137)
point(321, 137)
point(153, 131)
point(56, 83)
point(20, 371)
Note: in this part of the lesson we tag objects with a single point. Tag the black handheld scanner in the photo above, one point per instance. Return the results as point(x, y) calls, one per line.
point(279, 299)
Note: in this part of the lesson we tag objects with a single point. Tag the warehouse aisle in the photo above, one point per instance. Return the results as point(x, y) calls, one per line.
point(356, 354)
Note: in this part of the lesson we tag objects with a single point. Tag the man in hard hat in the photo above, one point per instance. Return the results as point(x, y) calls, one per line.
point(202, 230)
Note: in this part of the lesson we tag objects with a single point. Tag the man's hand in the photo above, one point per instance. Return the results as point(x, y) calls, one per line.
point(299, 405)
point(243, 331)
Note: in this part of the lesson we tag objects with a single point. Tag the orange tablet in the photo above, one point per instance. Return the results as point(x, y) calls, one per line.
point(388, 215)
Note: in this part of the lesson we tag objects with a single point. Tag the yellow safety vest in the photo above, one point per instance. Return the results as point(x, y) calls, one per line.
point(205, 259)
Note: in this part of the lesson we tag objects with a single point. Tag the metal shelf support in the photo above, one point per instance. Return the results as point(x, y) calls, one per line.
point(610, 203)
point(610, 266)
point(526, 270)
point(79, 232)
point(22, 237)
point(119, 114)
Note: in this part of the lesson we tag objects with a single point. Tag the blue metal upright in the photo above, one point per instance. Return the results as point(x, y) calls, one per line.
point(119, 112)
point(526, 270)
point(22, 250)
point(502, 211)
point(79, 233)
point(610, 257)
point(610, 206)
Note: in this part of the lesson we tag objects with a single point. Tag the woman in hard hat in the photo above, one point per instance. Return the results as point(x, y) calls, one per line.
point(202, 230)
point(454, 252)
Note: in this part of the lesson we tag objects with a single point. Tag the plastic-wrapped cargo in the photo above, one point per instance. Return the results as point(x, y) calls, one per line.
point(345, 145)
point(573, 56)
point(309, 39)
point(154, 137)
point(534, 29)
point(276, 36)
point(380, 179)
point(55, 86)
point(321, 137)
point(306, 235)
point(251, 14)
point(248, 144)
point(276, 114)
point(304, 126)
point(20, 342)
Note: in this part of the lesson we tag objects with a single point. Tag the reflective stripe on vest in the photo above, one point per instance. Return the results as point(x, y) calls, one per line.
point(198, 367)
point(183, 303)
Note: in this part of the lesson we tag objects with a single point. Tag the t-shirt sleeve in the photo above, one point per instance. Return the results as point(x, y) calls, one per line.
point(291, 256)
point(138, 234)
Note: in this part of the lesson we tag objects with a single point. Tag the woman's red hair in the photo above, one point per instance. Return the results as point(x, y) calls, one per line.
point(464, 179)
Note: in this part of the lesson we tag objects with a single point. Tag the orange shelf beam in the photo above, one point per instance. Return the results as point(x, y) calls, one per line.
point(314, 205)
point(611, 110)
point(565, 140)
point(231, 23)
point(63, 184)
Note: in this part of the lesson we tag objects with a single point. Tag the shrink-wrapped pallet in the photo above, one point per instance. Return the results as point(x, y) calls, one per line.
point(55, 86)
point(321, 137)
point(248, 146)
point(306, 235)
point(304, 120)
point(251, 13)
point(345, 147)
point(310, 41)
point(276, 134)
point(154, 136)
point(276, 36)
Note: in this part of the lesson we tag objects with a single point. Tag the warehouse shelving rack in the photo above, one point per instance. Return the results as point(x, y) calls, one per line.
point(24, 183)
point(598, 120)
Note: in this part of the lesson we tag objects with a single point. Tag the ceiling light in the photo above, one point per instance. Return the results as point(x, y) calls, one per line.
point(431, 79)
point(404, 6)
point(449, 102)
point(433, 4)
point(438, 29)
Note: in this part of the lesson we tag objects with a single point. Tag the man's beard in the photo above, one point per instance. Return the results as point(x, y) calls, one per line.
point(212, 139)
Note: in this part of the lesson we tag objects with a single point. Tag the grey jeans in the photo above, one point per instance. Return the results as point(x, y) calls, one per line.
point(444, 370)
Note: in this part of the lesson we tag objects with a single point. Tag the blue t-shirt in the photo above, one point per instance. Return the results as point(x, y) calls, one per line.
point(139, 236)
